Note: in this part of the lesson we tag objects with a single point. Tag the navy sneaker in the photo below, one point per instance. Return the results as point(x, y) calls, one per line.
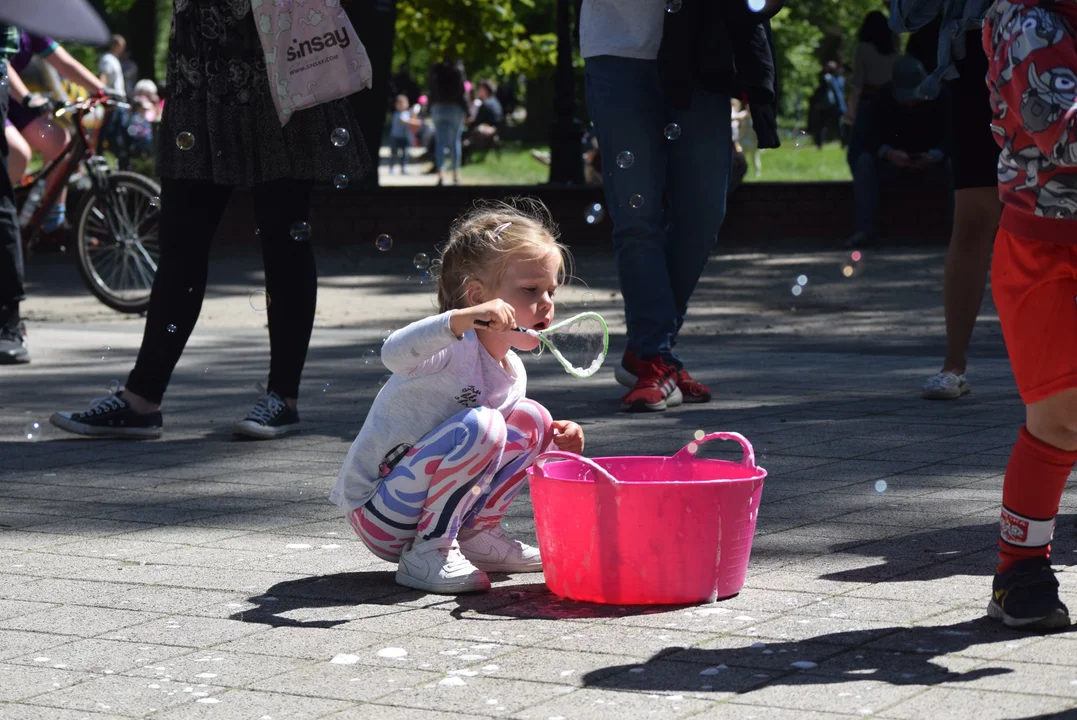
point(1025, 597)
point(270, 418)
point(110, 417)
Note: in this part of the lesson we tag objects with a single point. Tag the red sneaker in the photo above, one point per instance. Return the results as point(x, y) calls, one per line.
point(693, 391)
point(655, 388)
point(627, 374)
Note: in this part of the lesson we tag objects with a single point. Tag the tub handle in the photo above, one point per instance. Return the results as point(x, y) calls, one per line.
point(598, 469)
point(684, 454)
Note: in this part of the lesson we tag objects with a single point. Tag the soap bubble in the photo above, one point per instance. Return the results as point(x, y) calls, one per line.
point(636, 201)
point(588, 298)
point(625, 159)
point(692, 448)
point(699, 435)
point(104, 352)
point(325, 388)
point(423, 277)
point(171, 328)
point(595, 213)
point(113, 387)
point(370, 356)
point(259, 300)
point(155, 202)
point(300, 231)
point(384, 379)
point(339, 137)
point(340, 181)
point(673, 6)
point(32, 432)
point(421, 261)
point(802, 280)
point(880, 486)
point(185, 141)
point(672, 131)
point(848, 271)
point(757, 5)
point(856, 256)
point(801, 139)
point(383, 242)
point(797, 290)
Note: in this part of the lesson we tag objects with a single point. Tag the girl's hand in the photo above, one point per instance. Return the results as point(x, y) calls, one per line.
point(567, 436)
point(495, 315)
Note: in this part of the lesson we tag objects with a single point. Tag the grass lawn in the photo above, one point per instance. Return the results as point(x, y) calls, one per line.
point(515, 166)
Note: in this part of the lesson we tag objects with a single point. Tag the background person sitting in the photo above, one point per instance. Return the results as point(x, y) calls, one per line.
point(482, 131)
point(904, 136)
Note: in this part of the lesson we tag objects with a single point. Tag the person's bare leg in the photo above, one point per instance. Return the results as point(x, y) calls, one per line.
point(49, 138)
point(19, 156)
point(976, 216)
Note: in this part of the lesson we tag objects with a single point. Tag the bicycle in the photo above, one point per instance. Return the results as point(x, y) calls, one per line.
point(115, 225)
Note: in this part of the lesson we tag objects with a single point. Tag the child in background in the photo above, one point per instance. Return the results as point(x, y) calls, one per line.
point(444, 448)
point(403, 126)
point(1032, 79)
point(744, 135)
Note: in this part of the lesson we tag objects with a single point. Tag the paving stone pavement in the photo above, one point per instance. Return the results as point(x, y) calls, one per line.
point(200, 577)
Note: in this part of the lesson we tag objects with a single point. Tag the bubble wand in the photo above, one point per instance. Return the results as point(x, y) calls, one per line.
point(579, 343)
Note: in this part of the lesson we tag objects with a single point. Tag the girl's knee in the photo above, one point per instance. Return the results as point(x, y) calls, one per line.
point(486, 425)
point(532, 419)
point(1054, 420)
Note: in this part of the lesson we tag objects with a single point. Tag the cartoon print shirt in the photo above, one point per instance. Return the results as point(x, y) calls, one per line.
point(1032, 49)
point(435, 376)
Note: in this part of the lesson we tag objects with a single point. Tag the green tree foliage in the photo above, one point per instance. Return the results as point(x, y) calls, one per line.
point(495, 37)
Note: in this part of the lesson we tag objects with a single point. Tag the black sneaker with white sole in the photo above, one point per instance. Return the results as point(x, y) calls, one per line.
point(1025, 597)
point(110, 417)
point(13, 350)
point(270, 418)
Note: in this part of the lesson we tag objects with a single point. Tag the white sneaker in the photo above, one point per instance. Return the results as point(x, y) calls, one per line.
point(945, 386)
point(438, 566)
point(494, 551)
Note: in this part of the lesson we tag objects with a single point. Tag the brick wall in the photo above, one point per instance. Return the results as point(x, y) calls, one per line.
point(758, 213)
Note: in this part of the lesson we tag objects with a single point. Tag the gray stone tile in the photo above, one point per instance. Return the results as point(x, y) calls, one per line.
point(962, 704)
point(805, 691)
point(387, 712)
point(602, 704)
point(554, 666)
point(123, 696)
point(103, 657)
point(18, 642)
point(218, 668)
point(305, 643)
point(461, 693)
point(354, 683)
point(80, 620)
point(19, 682)
point(186, 631)
point(246, 704)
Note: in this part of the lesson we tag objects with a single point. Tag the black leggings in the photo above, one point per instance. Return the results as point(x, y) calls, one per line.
point(190, 213)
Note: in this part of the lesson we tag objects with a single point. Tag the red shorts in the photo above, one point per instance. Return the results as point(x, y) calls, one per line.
point(1034, 284)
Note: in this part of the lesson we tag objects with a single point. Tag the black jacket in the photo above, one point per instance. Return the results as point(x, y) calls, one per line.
point(723, 46)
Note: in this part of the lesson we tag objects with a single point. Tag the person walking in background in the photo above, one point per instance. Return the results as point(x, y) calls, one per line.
point(658, 87)
point(876, 53)
point(449, 111)
point(828, 104)
point(111, 76)
point(28, 131)
point(221, 130)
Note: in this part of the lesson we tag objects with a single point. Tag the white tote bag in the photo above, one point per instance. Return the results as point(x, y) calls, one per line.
point(312, 53)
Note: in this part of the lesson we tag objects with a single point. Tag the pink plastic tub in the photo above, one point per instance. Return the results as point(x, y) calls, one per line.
point(646, 530)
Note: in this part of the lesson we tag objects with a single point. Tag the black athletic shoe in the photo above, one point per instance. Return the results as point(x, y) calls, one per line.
point(1026, 597)
point(112, 417)
point(13, 350)
point(270, 418)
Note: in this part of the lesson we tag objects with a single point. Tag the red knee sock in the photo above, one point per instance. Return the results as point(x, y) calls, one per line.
point(1035, 478)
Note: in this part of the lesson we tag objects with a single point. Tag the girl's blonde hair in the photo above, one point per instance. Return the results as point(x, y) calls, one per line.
point(483, 241)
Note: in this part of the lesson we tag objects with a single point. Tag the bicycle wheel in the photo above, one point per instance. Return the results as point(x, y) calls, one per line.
point(119, 267)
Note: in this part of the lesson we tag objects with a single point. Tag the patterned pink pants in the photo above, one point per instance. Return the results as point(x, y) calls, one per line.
point(464, 473)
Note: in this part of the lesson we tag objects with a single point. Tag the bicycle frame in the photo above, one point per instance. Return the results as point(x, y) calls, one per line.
point(78, 150)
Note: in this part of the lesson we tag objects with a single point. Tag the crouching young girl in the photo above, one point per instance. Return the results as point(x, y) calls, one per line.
point(444, 448)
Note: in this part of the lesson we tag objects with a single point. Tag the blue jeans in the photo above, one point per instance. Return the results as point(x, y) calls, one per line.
point(448, 126)
point(668, 206)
